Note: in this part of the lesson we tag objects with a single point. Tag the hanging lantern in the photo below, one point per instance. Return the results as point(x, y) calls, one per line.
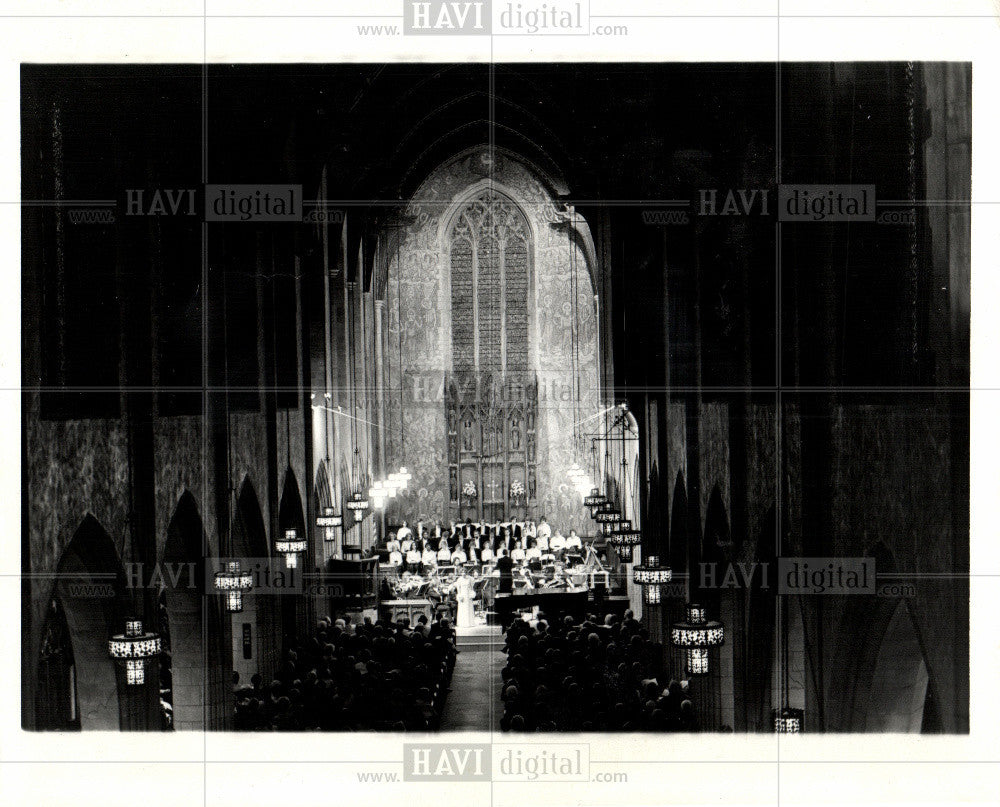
point(232, 583)
point(624, 540)
point(135, 648)
point(405, 476)
point(622, 533)
point(651, 575)
point(695, 637)
point(607, 514)
point(357, 505)
point(329, 521)
point(594, 500)
point(290, 547)
point(788, 720)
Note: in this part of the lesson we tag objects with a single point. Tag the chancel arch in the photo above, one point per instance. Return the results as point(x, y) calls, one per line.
point(492, 339)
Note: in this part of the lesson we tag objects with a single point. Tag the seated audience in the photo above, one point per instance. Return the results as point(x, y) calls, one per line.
point(589, 675)
point(377, 676)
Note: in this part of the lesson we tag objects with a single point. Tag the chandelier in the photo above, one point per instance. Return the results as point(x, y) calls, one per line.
point(329, 521)
point(232, 582)
point(650, 576)
point(695, 637)
point(290, 547)
point(358, 504)
point(135, 648)
point(788, 720)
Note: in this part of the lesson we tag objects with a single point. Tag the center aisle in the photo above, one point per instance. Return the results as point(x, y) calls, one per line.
point(474, 701)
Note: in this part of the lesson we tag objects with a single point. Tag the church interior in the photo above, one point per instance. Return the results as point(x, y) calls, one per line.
point(527, 422)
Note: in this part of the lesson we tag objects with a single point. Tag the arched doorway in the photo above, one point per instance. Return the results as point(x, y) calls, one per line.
point(76, 681)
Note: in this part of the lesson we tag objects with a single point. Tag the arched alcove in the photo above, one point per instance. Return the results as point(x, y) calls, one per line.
point(900, 679)
point(259, 621)
point(191, 663)
point(86, 608)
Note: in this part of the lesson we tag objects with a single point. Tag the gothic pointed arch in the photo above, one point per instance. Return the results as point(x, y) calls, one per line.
point(492, 396)
point(77, 683)
point(492, 315)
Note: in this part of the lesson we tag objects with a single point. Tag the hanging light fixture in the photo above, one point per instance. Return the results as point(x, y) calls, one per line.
point(622, 532)
point(788, 720)
point(231, 583)
point(607, 513)
point(290, 546)
point(651, 575)
point(135, 647)
point(378, 494)
point(695, 637)
point(358, 504)
point(594, 500)
point(329, 522)
point(624, 540)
